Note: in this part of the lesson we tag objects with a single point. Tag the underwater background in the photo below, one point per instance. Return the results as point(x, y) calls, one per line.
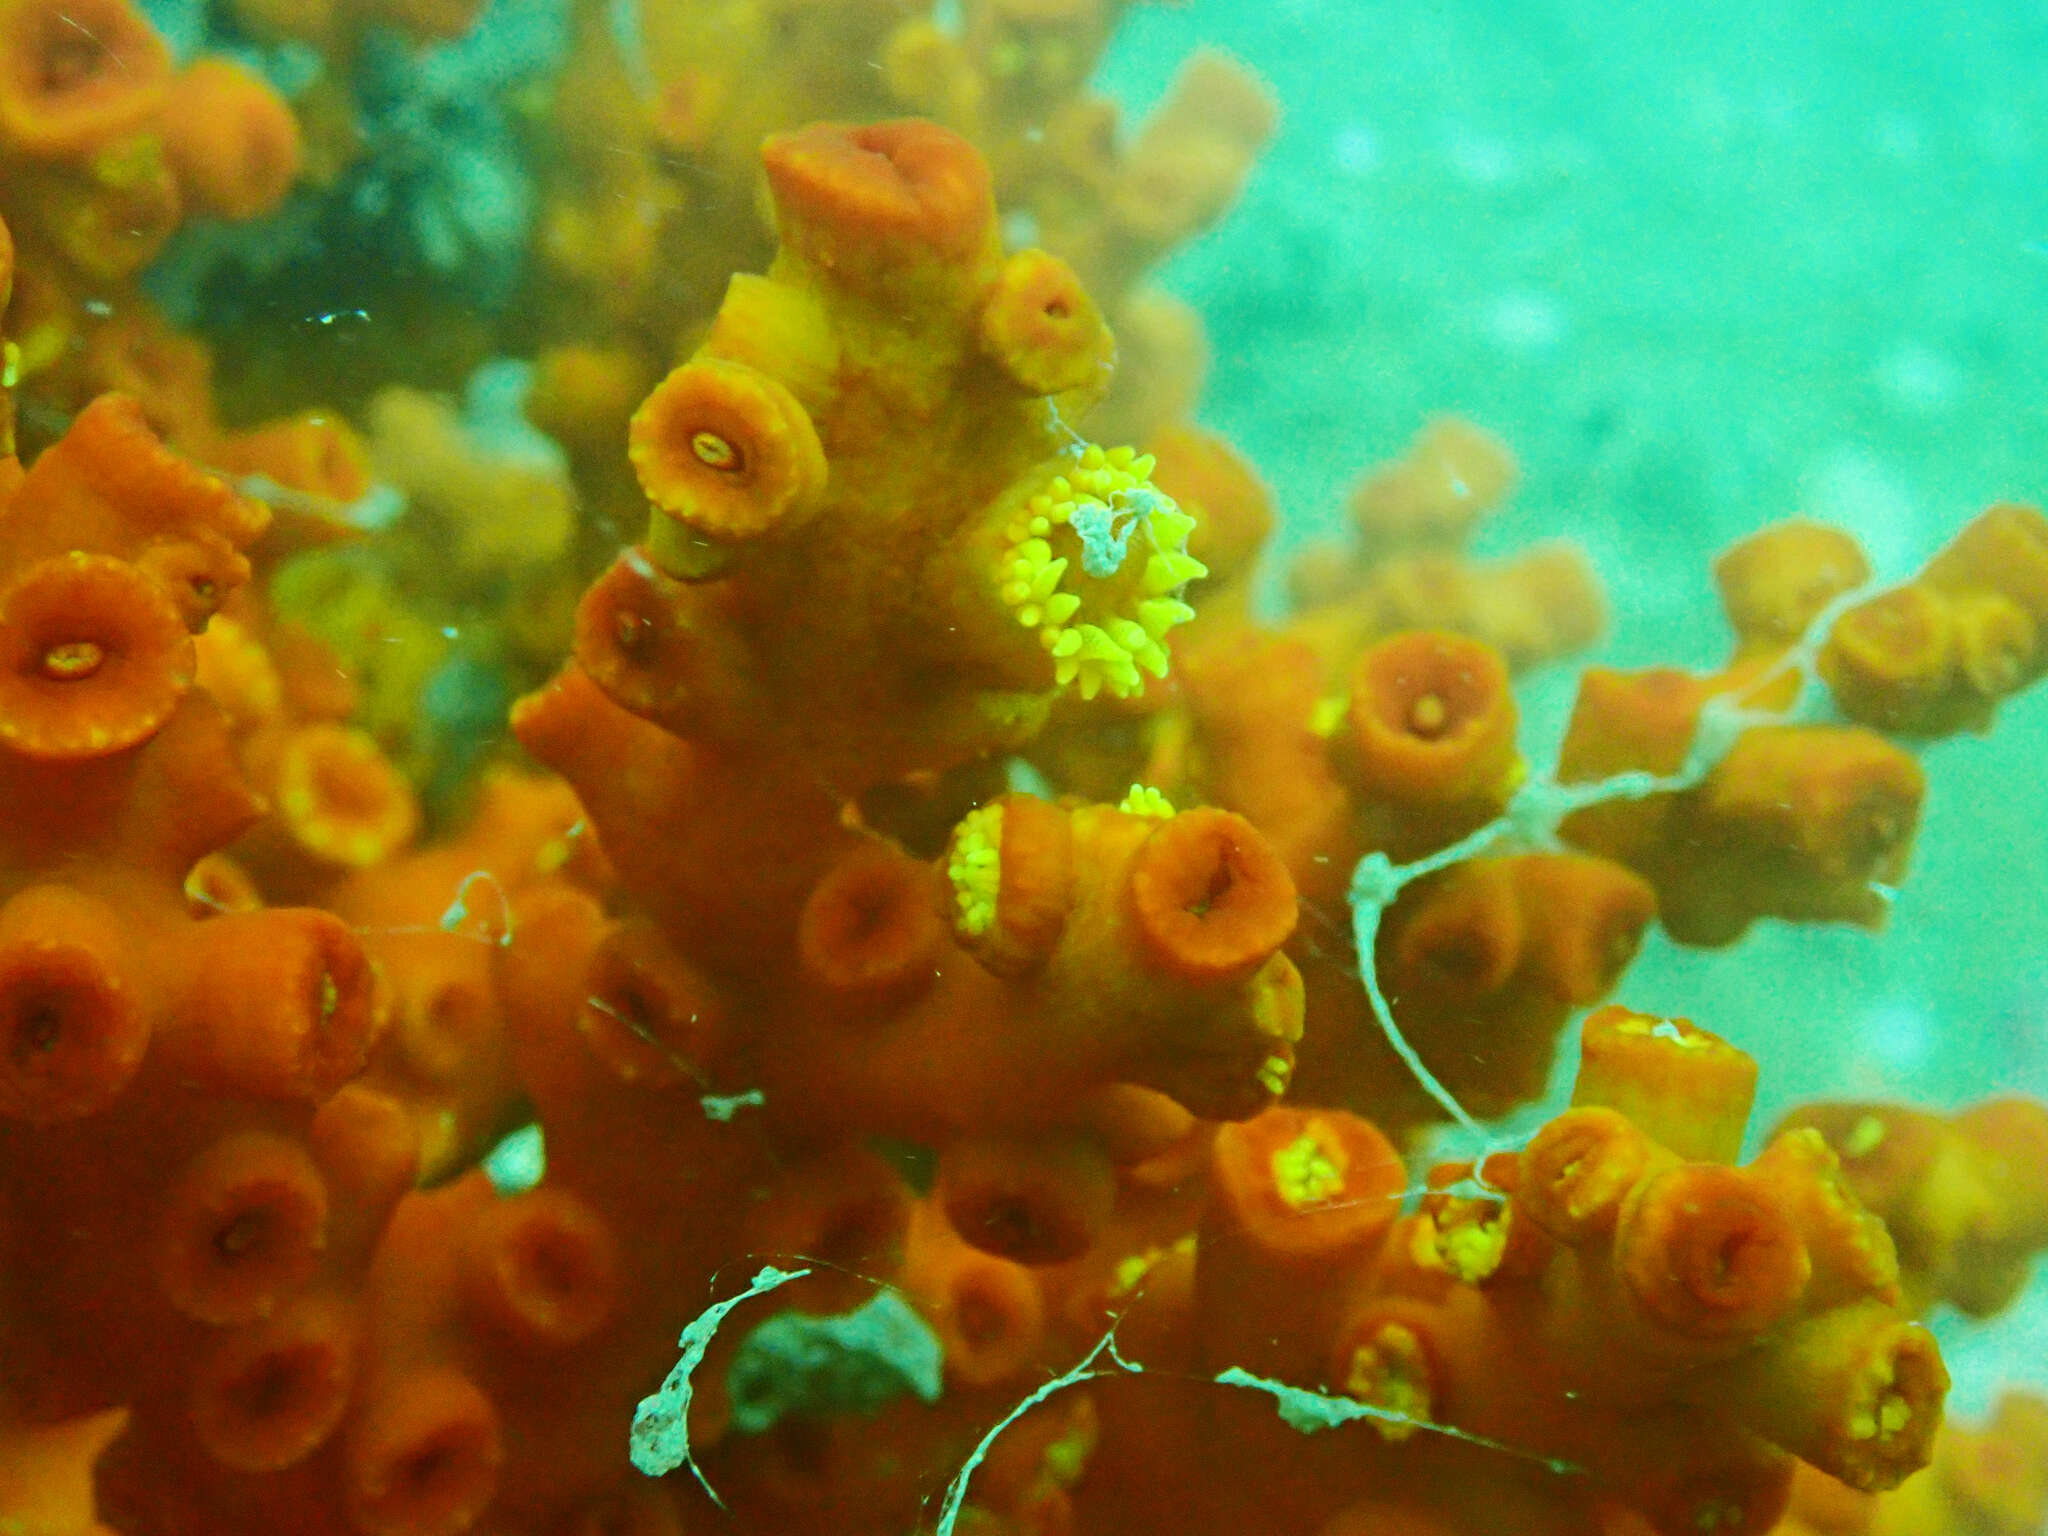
point(444, 287)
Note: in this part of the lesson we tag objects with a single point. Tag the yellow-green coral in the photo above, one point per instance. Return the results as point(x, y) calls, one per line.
point(1143, 800)
point(1106, 623)
point(1310, 1168)
point(974, 865)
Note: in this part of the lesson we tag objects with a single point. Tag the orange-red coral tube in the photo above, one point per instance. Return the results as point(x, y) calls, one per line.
point(423, 1457)
point(72, 1027)
point(265, 1398)
point(93, 658)
point(242, 1228)
point(1710, 1252)
point(1432, 720)
point(1209, 896)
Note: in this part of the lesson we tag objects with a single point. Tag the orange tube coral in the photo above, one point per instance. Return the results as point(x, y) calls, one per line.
point(1431, 747)
point(1209, 897)
point(72, 1030)
point(93, 655)
point(892, 192)
point(232, 140)
point(727, 451)
point(423, 1458)
point(381, 1217)
point(243, 1226)
point(265, 1399)
point(74, 78)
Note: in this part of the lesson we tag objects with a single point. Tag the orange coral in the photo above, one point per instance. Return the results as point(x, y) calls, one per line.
point(75, 79)
point(204, 1275)
point(788, 966)
point(231, 138)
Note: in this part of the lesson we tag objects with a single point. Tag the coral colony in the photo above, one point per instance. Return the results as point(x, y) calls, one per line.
point(757, 945)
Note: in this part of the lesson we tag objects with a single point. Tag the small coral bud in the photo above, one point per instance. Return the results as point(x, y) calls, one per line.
point(217, 885)
point(543, 1268)
point(1997, 643)
point(781, 330)
point(871, 924)
point(1851, 1249)
point(1587, 916)
point(635, 640)
point(847, 1213)
point(582, 396)
point(367, 1146)
point(241, 1229)
point(1034, 1203)
point(726, 451)
point(1043, 330)
point(265, 1398)
point(879, 196)
point(1209, 896)
point(1711, 1253)
point(196, 573)
point(1688, 1090)
point(93, 658)
point(232, 140)
point(75, 75)
point(1628, 721)
point(314, 452)
point(1432, 720)
point(1232, 507)
point(443, 1016)
point(422, 1457)
point(988, 1312)
point(1137, 1124)
point(72, 1031)
point(1775, 583)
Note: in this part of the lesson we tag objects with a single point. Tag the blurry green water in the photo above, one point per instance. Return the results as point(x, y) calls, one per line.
point(1703, 266)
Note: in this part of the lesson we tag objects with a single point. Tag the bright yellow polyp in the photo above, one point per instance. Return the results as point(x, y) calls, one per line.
point(1468, 1239)
point(1095, 563)
point(1391, 1372)
point(1143, 800)
point(1310, 1169)
point(974, 866)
